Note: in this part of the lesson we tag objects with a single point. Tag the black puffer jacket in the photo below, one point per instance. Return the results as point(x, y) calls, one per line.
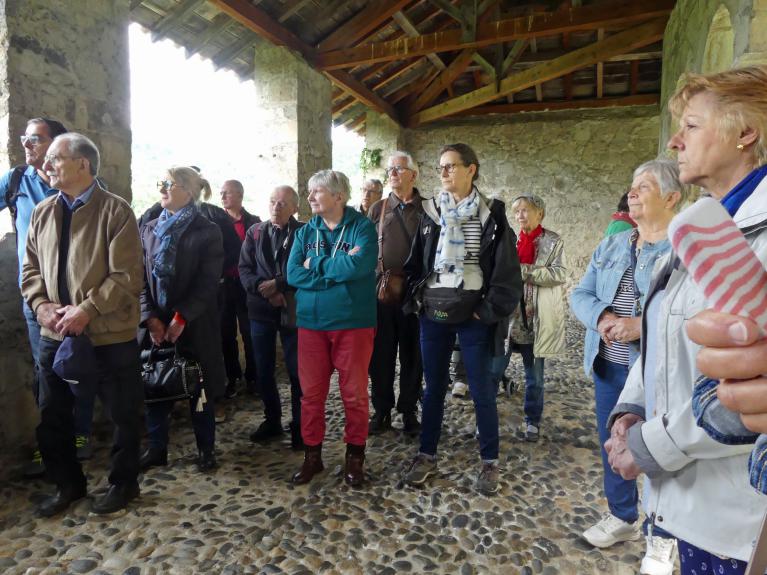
point(498, 260)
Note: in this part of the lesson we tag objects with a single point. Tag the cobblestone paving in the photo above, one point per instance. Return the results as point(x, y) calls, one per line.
point(246, 518)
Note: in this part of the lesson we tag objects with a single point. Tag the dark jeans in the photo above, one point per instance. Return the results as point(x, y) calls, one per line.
point(621, 494)
point(264, 334)
point(533, 384)
point(203, 423)
point(234, 312)
point(476, 340)
point(395, 330)
point(122, 394)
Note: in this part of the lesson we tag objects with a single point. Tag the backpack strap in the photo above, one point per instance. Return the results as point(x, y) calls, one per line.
point(12, 193)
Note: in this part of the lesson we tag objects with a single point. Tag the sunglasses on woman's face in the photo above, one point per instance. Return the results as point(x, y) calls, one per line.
point(165, 185)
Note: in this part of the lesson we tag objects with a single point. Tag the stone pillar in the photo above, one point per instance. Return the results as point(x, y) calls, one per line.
point(68, 61)
point(757, 36)
point(381, 132)
point(294, 105)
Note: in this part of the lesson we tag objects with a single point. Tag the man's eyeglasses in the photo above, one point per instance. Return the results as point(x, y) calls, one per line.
point(33, 140)
point(165, 185)
point(449, 167)
point(57, 159)
point(399, 169)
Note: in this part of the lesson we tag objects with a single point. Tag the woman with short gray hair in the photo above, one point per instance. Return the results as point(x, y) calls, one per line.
point(609, 301)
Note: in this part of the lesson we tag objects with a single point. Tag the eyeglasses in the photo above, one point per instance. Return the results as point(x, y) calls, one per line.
point(449, 167)
point(33, 140)
point(398, 169)
point(55, 159)
point(165, 185)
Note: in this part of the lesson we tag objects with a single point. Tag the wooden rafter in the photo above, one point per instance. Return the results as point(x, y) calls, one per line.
point(636, 37)
point(634, 82)
point(363, 93)
point(600, 67)
point(219, 23)
point(395, 73)
point(440, 84)
point(513, 55)
point(173, 17)
point(637, 100)
point(231, 52)
point(364, 22)
point(590, 17)
point(291, 9)
point(411, 31)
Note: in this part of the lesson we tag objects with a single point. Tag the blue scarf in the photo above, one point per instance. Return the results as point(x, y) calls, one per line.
point(169, 229)
point(740, 193)
point(451, 247)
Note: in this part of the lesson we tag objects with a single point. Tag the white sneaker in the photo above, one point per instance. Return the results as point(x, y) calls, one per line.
point(459, 389)
point(659, 557)
point(609, 531)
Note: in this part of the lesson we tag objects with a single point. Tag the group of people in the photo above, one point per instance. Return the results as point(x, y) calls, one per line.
point(404, 276)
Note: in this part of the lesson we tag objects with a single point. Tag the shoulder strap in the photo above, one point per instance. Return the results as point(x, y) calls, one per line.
point(12, 193)
point(380, 234)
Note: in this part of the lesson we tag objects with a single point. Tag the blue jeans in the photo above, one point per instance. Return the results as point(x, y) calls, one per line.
point(264, 336)
point(533, 384)
point(83, 409)
point(498, 367)
point(476, 340)
point(622, 495)
point(203, 423)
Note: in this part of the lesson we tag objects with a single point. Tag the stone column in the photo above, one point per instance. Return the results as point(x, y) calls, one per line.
point(294, 105)
point(68, 61)
point(756, 53)
point(381, 132)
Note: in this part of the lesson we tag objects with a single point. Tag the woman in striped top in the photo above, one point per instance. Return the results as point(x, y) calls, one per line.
point(609, 302)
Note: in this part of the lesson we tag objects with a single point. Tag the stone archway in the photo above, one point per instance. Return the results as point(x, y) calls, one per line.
point(720, 43)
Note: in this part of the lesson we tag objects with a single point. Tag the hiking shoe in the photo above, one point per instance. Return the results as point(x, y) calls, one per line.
point(459, 389)
point(379, 423)
point(609, 531)
point(487, 480)
point(266, 431)
point(35, 467)
point(659, 556)
point(420, 469)
point(84, 447)
point(532, 433)
point(220, 413)
point(410, 423)
point(115, 499)
point(231, 389)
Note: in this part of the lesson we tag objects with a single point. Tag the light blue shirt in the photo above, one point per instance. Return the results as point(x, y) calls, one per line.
point(32, 190)
point(80, 200)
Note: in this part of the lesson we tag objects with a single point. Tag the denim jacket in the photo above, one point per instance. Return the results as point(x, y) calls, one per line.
point(598, 287)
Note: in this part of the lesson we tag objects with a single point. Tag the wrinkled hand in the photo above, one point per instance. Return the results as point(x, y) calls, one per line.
point(621, 425)
point(604, 324)
point(48, 316)
point(621, 459)
point(156, 330)
point(73, 320)
point(624, 329)
point(267, 288)
point(174, 331)
point(355, 250)
point(278, 300)
point(734, 353)
point(307, 263)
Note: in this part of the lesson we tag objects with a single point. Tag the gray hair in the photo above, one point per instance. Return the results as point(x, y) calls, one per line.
point(410, 162)
point(375, 182)
point(291, 190)
point(336, 182)
point(82, 147)
point(191, 181)
point(666, 174)
point(236, 183)
point(532, 199)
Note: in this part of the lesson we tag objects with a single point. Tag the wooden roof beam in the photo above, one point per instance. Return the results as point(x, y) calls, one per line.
point(173, 17)
point(440, 84)
point(293, 8)
point(364, 94)
point(411, 31)
point(590, 17)
point(625, 41)
point(638, 100)
point(230, 53)
point(361, 24)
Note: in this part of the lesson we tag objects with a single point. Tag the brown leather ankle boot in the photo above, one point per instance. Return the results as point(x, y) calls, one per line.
point(354, 475)
point(311, 466)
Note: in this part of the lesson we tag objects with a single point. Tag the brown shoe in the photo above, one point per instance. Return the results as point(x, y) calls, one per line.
point(354, 475)
point(312, 465)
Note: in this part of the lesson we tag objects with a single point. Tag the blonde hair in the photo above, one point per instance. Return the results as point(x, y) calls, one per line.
point(197, 186)
point(741, 96)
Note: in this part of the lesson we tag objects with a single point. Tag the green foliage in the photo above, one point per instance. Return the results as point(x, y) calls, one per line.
point(370, 159)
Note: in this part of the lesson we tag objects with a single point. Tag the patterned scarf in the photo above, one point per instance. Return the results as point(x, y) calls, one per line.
point(526, 245)
point(169, 229)
point(451, 246)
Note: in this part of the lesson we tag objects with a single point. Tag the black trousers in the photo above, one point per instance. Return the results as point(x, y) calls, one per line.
point(122, 395)
point(234, 314)
point(395, 331)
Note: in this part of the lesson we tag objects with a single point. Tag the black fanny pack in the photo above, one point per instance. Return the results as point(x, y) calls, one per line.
point(450, 305)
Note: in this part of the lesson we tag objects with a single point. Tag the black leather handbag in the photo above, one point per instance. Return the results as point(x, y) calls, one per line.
point(167, 376)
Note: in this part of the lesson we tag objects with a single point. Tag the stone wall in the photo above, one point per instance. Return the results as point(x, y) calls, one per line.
point(381, 132)
point(579, 161)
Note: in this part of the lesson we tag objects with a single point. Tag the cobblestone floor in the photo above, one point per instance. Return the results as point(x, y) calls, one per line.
point(246, 517)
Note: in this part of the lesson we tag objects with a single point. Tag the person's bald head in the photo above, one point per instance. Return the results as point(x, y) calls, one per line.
point(283, 203)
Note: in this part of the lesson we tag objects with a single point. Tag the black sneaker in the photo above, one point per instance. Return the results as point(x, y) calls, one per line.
point(410, 423)
point(153, 457)
point(59, 502)
point(379, 423)
point(206, 461)
point(266, 431)
point(115, 499)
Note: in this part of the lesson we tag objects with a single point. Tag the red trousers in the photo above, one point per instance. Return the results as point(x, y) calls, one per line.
point(319, 353)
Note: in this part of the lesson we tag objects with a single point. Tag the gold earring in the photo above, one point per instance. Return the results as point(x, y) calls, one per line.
point(739, 146)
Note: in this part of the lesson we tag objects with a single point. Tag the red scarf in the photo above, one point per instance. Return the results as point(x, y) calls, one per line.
point(526, 245)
